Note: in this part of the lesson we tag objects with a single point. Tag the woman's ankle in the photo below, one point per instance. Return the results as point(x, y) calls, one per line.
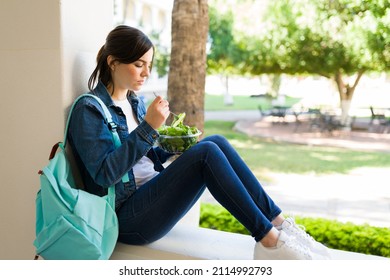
point(271, 238)
point(278, 220)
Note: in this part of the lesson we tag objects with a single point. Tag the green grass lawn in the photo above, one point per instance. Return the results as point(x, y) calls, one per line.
point(262, 156)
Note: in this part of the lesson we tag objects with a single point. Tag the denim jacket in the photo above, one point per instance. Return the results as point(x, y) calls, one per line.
point(99, 162)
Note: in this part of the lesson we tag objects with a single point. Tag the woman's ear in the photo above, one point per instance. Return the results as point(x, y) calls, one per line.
point(111, 62)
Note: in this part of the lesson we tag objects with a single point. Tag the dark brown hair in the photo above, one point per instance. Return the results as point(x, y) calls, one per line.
point(126, 44)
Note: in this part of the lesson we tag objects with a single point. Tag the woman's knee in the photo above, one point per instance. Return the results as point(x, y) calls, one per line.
point(205, 150)
point(216, 138)
point(206, 146)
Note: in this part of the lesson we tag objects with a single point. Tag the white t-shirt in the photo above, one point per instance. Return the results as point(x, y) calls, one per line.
point(144, 169)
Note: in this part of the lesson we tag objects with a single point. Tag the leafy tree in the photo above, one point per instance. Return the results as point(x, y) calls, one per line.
point(379, 36)
point(161, 55)
point(223, 54)
point(338, 39)
point(220, 58)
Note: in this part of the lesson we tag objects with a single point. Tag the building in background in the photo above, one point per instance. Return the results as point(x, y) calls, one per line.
point(148, 15)
point(154, 18)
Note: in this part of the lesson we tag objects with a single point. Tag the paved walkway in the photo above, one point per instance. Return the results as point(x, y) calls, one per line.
point(363, 196)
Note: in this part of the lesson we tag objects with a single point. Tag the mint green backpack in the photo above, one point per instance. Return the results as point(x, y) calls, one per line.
point(71, 223)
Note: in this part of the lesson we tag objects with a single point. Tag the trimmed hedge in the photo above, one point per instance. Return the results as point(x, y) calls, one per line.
point(364, 239)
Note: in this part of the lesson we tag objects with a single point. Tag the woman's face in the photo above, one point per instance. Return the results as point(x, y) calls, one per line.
point(132, 76)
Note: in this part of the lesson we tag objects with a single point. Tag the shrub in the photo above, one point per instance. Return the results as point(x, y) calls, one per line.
point(364, 239)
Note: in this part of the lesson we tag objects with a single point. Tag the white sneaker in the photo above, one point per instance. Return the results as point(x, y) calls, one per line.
point(292, 229)
point(287, 248)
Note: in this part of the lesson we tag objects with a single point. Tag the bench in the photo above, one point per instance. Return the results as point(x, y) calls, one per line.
point(187, 241)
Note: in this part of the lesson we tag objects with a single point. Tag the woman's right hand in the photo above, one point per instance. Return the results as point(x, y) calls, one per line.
point(157, 112)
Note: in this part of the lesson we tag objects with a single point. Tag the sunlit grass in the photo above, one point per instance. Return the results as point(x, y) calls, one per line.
point(323, 157)
point(262, 156)
point(247, 144)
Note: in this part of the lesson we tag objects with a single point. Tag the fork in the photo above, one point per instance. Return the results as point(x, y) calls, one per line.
point(155, 94)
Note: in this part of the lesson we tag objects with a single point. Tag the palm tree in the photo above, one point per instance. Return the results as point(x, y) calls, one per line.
point(187, 68)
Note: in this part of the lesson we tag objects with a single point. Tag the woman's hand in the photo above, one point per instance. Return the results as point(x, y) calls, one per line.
point(157, 112)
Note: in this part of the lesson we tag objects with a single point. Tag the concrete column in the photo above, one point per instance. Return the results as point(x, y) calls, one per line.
point(138, 7)
point(119, 11)
point(155, 18)
point(47, 51)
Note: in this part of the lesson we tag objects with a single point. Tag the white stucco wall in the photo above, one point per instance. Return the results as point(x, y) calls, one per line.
point(47, 52)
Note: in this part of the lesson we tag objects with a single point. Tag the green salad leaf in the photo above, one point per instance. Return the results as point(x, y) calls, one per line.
point(177, 127)
point(178, 120)
point(178, 137)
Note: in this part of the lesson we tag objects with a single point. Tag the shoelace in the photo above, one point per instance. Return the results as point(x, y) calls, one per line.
point(298, 248)
point(300, 231)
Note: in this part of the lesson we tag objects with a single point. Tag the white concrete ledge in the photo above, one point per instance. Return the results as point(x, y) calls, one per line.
point(190, 242)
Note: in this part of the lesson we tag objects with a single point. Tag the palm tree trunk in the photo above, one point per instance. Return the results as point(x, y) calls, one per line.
point(187, 69)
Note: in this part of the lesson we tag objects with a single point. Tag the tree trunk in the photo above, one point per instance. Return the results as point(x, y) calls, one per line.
point(346, 93)
point(187, 69)
point(274, 84)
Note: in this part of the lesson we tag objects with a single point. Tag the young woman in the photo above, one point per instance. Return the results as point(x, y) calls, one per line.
point(156, 198)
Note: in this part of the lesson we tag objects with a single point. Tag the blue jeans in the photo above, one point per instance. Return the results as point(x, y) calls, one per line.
point(154, 209)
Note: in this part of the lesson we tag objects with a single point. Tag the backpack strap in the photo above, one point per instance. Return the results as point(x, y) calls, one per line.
point(112, 126)
point(107, 114)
